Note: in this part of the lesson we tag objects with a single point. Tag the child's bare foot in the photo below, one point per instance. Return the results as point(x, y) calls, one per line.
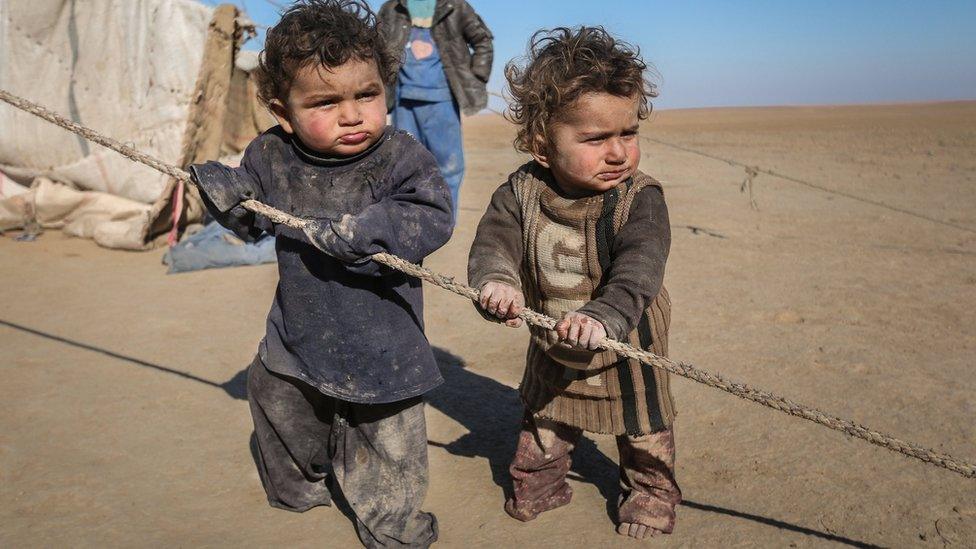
point(637, 531)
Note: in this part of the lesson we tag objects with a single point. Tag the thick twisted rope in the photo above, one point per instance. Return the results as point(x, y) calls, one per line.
point(740, 390)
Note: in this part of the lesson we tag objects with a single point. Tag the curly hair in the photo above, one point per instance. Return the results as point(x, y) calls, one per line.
point(561, 65)
point(328, 32)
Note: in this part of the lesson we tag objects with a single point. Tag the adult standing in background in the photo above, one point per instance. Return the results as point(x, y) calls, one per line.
point(446, 60)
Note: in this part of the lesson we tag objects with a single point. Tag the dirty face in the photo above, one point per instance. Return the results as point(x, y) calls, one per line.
point(336, 111)
point(593, 146)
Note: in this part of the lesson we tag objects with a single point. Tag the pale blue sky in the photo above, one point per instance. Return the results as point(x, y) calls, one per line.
point(715, 53)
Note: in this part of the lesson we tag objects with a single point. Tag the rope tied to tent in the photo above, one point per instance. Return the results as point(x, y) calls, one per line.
point(534, 318)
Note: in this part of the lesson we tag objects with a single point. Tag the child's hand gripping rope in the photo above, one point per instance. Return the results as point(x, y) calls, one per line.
point(580, 330)
point(506, 303)
point(503, 301)
point(332, 237)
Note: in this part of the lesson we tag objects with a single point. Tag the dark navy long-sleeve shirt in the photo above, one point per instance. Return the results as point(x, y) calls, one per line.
point(353, 330)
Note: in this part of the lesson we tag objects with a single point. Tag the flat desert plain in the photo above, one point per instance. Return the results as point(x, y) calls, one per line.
point(123, 419)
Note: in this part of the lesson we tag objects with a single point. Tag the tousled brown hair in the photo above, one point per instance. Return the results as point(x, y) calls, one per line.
point(328, 32)
point(561, 65)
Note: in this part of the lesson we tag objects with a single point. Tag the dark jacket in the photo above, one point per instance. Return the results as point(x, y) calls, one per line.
point(354, 331)
point(457, 30)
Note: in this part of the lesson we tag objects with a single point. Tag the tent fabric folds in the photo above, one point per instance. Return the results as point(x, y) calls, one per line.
point(157, 74)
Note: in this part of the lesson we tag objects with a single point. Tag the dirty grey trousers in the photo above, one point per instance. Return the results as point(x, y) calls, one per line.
point(376, 455)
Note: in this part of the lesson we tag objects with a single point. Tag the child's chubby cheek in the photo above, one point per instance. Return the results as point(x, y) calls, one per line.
point(584, 167)
point(634, 153)
point(589, 166)
point(320, 130)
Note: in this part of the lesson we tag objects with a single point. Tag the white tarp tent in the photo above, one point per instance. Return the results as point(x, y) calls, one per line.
point(157, 74)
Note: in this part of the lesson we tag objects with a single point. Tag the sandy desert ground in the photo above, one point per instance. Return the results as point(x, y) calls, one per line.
point(123, 420)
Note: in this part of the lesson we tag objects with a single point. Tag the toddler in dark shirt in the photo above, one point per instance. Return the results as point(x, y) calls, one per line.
point(336, 388)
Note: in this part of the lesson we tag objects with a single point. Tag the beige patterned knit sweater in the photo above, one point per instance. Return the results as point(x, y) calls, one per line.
point(603, 255)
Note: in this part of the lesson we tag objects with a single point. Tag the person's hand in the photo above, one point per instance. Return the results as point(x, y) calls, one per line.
point(324, 237)
point(503, 301)
point(579, 330)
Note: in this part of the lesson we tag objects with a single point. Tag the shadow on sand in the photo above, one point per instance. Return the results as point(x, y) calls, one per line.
point(491, 413)
point(233, 387)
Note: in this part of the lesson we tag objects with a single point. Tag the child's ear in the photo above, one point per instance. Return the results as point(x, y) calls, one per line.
point(539, 153)
point(541, 159)
point(280, 113)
